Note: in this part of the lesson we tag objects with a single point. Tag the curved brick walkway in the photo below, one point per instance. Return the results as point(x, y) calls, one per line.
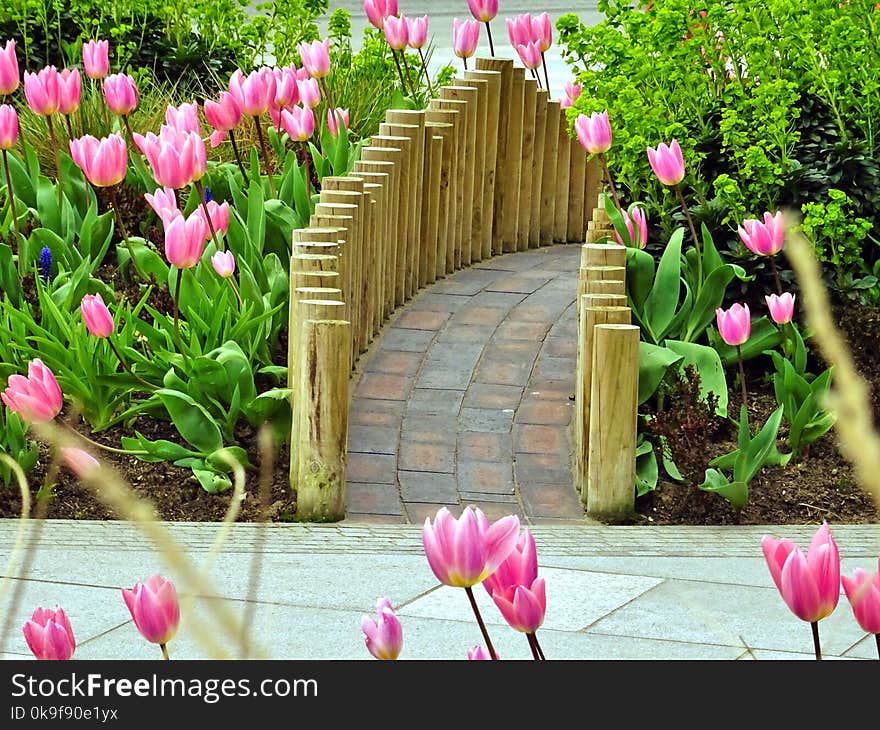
point(464, 398)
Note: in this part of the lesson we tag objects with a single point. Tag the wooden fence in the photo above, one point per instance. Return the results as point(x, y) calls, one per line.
point(488, 168)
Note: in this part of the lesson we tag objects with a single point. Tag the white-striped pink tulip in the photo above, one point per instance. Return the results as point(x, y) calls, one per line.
point(185, 239)
point(103, 161)
point(97, 318)
point(96, 58)
point(299, 123)
point(734, 324)
point(9, 78)
point(8, 127)
point(465, 36)
point(176, 158)
point(164, 202)
point(396, 32)
point(69, 91)
point(42, 91)
point(219, 215)
point(667, 162)
point(781, 307)
point(542, 32)
point(594, 132)
point(384, 635)
point(316, 57)
point(36, 398)
point(483, 10)
point(223, 263)
point(253, 93)
point(637, 225)
point(121, 94)
point(863, 593)
point(309, 92)
point(154, 607)
point(333, 117)
point(517, 590)
point(478, 653)
point(184, 118)
point(417, 31)
point(530, 55)
point(48, 634)
point(764, 238)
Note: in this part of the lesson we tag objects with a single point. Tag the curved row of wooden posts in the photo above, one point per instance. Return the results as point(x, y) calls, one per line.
point(488, 168)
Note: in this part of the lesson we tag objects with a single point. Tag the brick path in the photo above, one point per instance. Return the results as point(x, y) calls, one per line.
point(464, 398)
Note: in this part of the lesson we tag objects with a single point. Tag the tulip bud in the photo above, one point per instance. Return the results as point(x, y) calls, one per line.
point(316, 57)
point(37, 397)
point(96, 59)
point(594, 132)
point(667, 163)
point(97, 317)
point(223, 263)
point(103, 161)
point(42, 91)
point(417, 30)
point(185, 240)
point(121, 94)
point(69, 91)
point(9, 78)
point(465, 36)
point(764, 238)
point(483, 10)
point(333, 118)
point(396, 32)
point(49, 635)
point(154, 607)
point(8, 127)
point(734, 324)
point(384, 637)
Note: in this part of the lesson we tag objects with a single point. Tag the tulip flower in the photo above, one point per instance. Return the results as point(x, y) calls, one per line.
point(378, 10)
point(465, 36)
point(417, 31)
point(542, 32)
point(765, 238)
point(9, 79)
point(636, 225)
point(309, 92)
point(163, 201)
point(484, 11)
point(464, 552)
point(572, 91)
point(734, 324)
point(37, 397)
point(863, 593)
point(299, 123)
point(396, 32)
point(176, 158)
point(223, 263)
point(185, 239)
point(121, 94)
point(333, 118)
point(781, 307)
point(223, 115)
point(69, 91)
point(253, 93)
point(530, 55)
point(478, 653)
point(594, 132)
point(383, 637)
point(42, 91)
point(103, 161)
point(316, 57)
point(80, 462)
point(286, 87)
point(184, 118)
point(49, 635)
point(96, 60)
point(667, 163)
point(98, 320)
point(154, 607)
point(8, 127)
point(809, 585)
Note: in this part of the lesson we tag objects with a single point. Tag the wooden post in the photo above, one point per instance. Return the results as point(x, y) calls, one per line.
point(413, 162)
point(607, 286)
point(322, 433)
point(602, 254)
point(403, 146)
point(431, 209)
point(537, 176)
point(318, 293)
point(503, 160)
point(482, 233)
point(414, 118)
point(314, 262)
point(379, 184)
point(599, 227)
point(548, 175)
point(589, 276)
point(514, 149)
point(445, 198)
point(453, 147)
point(464, 169)
point(589, 318)
point(577, 176)
point(316, 233)
point(490, 141)
point(563, 153)
point(593, 187)
point(527, 178)
point(612, 444)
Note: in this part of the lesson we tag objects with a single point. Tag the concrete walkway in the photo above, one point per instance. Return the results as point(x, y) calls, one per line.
point(464, 398)
point(612, 592)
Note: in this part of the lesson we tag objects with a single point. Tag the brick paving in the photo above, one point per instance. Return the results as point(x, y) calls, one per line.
point(464, 397)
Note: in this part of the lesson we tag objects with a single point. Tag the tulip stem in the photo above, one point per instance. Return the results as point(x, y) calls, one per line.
point(69, 125)
point(776, 274)
point(125, 365)
point(491, 45)
point(535, 654)
point(399, 69)
point(406, 74)
point(238, 157)
point(742, 378)
point(164, 649)
point(877, 639)
point(265, 150)
point(814, 625)
point(308, 173)
point(687, 215)
point(237, 295)
point(464, 61)
point(57, 156)
point(200, 189)
point(176, 299)
point(611, 186)
point(103, 106)
point(104, 447)
point(470, 594)
point(546, 75)
point(427, 75)
point(11, 195)
point(124, 231)
point(538, 646)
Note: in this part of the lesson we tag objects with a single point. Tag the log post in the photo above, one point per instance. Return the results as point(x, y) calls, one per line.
point(403, 191)
point(503, 160)
point(593, 187)
point(481, 232)
point(492, 111)
point(613, 425)
point(514, 149)
point(599, 228)
point(381, 182)
point(453, 147)
point(589, 276)
point(537, 176)
point(465, 167)
point(589, 318)
point(548, 174)
point(445, 198)
point(431, 209)
point(322, 432)
point(602, 254)
point(387, 160)
point(563, 153)
point(527, 177)
point(577, 176)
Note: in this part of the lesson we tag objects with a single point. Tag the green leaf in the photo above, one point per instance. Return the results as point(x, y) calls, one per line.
point(764, 336)
point(654, 361)
point(662, 302)
point(22, 182)
point(256, 221)
point(211, 481)
point(159, 450)
point(759, 448)
point(191, 420)
point(218, 462)
point(737, 493)
point(708, 364)
point(646, 471)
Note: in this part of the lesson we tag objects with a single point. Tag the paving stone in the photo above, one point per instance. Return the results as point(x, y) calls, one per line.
point(478, 497)
point(489, 395)
point(443, 377)
point(530, 439)
point(518, 330)
point(483, 419)
point(373, 519)
point(561, 347)
point(383, 387)
point(376, 499)
point(551, 389)
point(371, 412)
point(502, 299)
point(478, 316)
point(522, 351)
point(473, 446)
point(550, 413)
point(421, 320)
point(371, 468)
point(406, 340)
point(498, 372)
point(484, 476)
point(394, 362)
point(555, 368)
point(435, 401)
point(373, 439)
point(542, 469)
point(417, 512)
point(472, 333)
point(527, 312)
point(434, 487)
point(551, 500)
point(429, 428)
point(415, 456)
point(495, 510)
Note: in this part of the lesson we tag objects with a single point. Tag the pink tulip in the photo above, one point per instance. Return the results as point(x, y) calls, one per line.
point(49, 635)
point(530, 55)
point(176, 158)
point(253, 93)
point(223, 114)
point(810, 586)
point(184, 118)
point(594, 132)
point(565, 102)
point(8, 127)
point(483, 10)
point(69, 91)
point(478, 653)
point(516, 589)
point(637, 225)
point(466, 551)
point(667, 163)
point(153, 606)
point(316, 57)
point(376, 12)
point(286, 88)
point(417, 30)
point(734, 324)
point(781, 307)
point(309, 93)
point(299, 123)
point(80, 462)
point(764, 238)
point(219, 214)
point(572, 91)
point(103, 161)
point(164, 202)
point(121, 94)
point(519, 568)
point(396, 32)
point(519, 30)
point(863, 593)
point(96, 59)
point(99, 321)
point(465, 36)
point(9, 78)
point(36, 397)
point(333, 120)
point(384, 637)
point(542, 32)
point(185, 240)
point(223, 263)
point(42, 91)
